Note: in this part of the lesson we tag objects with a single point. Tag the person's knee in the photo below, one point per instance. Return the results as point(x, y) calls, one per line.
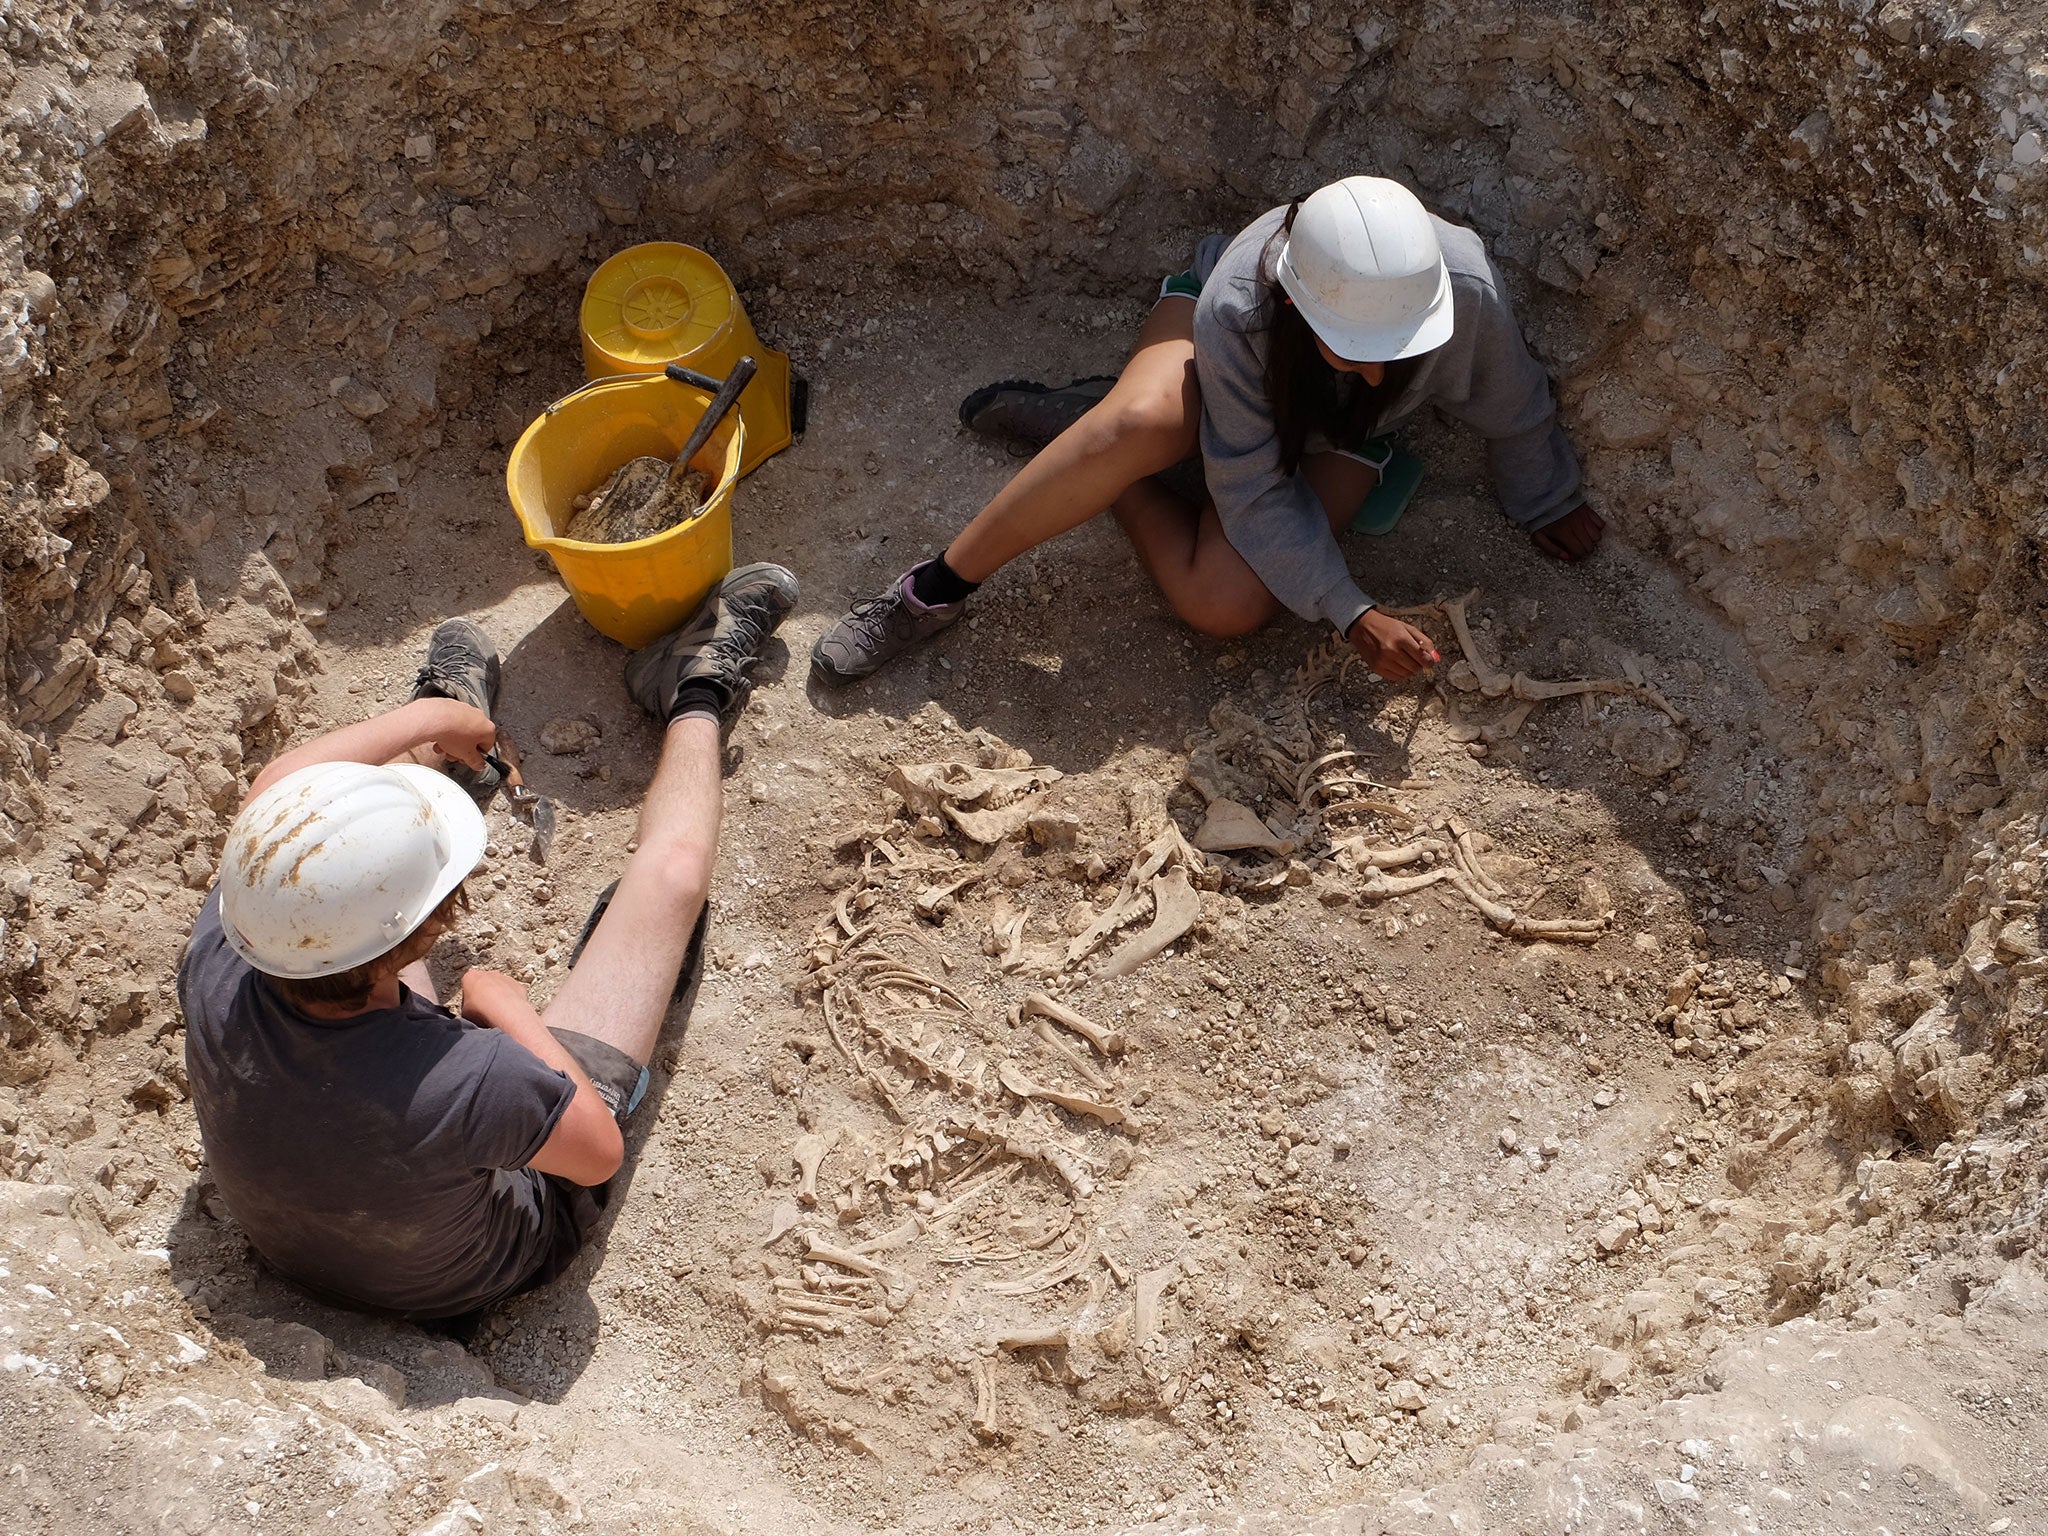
point(1226, 615)
point(678, 874)
point(1155, 425)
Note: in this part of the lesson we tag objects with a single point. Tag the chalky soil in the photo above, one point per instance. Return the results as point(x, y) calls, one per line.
point(1139, 1082)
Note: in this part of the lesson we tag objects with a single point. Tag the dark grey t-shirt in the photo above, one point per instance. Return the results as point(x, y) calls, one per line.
point(379, 1159)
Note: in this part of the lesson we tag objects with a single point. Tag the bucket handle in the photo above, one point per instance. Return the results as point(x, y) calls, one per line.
point(675, 371)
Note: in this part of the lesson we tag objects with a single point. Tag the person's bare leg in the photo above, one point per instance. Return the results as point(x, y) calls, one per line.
point(1147, 422)
point(420, 979)
point(620, 990)
point(1206, 581)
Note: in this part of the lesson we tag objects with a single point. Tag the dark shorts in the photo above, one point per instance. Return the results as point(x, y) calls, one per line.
point(622, 1083)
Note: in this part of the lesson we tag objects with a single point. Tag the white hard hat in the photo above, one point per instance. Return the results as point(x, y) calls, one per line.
point(335, 864)
point(1363, 266)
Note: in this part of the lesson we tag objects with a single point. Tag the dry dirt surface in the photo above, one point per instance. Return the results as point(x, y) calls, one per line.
point(1139, 1082)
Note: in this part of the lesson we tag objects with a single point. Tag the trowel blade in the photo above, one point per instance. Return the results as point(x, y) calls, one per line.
point(543, 820)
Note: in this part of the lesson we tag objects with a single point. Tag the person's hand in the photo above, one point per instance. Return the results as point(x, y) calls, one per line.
point(485, 994)
point(1392, 649)
point(463, 734)
point(1573, 536)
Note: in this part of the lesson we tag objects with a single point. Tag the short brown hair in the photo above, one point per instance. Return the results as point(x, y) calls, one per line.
point(351, 988)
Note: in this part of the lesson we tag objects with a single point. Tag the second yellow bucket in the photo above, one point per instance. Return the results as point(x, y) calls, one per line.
point(665, 302)
point(637, 591)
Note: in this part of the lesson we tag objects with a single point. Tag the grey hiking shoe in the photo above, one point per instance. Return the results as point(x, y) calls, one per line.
point(717, 645)
point(876, 631)
point(1031, 413)
point(462, 664)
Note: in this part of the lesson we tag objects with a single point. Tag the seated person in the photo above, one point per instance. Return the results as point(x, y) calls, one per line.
point(1282, 356)
point(375, 1147)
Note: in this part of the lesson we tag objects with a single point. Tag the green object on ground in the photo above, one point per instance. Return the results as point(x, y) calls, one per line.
point(1382, 509)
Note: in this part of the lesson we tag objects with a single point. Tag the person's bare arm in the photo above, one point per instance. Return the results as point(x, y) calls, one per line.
point(454, 729)
point(586, 1147)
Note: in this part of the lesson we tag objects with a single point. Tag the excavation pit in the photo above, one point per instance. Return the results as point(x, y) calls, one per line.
point(1389, 1216)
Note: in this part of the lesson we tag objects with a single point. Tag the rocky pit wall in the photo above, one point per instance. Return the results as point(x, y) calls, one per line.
point(1785, 262)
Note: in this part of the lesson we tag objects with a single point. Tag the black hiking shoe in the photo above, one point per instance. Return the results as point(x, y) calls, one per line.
point(693, 957)
point(462, 664)
point(1026, 412)
point(876, 631)
point(717, 645)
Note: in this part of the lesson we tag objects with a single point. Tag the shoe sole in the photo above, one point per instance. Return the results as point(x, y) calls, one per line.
point(975, 403)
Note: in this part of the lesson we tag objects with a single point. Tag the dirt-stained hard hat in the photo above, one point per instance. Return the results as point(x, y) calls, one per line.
point(336, 864)
point(1363, 266)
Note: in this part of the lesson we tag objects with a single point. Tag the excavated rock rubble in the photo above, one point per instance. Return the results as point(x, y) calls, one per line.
point(269, 271)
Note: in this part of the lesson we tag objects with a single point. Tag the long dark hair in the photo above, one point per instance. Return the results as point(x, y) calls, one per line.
point(1304, 391)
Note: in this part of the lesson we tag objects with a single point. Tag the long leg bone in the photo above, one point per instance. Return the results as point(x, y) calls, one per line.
point(1044, 1336)
point(1016, 1081)
point(1108, 1041)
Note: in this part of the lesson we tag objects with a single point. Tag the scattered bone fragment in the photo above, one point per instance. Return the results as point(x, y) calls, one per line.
point(1175, 909)
point(1508, 726)
point(1109, 1042)
point(809, 1152)
point(1044, 1336)
point(1146, 1301)
point(1230, 827)
point(1010, 957)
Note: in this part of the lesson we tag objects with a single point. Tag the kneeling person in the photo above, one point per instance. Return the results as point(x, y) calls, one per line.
point(375, 1147)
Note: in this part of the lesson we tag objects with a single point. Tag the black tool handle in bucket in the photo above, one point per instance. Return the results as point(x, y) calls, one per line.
point(722, 398)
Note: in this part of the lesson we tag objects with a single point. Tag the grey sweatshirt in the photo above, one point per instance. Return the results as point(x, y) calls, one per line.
point(1483, 376)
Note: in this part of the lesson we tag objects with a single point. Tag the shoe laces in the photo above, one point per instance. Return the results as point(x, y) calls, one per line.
point(870, 615)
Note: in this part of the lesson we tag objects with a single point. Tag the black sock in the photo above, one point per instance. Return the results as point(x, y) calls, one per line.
point(936, 583)
point(698, 696)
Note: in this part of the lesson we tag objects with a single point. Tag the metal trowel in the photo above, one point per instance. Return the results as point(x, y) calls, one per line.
point(529, 805)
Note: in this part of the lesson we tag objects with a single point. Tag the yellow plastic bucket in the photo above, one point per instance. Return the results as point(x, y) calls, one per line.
point(637, 591)
point(663, 302)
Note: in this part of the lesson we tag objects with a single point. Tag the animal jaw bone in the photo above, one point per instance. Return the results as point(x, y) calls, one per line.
point(1109, 1042)
point(1175, 909)
point(1167, 847)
